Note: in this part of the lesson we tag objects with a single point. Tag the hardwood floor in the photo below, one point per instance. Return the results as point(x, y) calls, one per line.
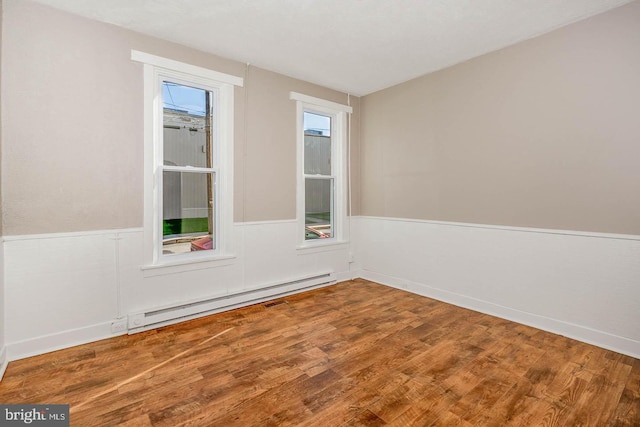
point(357, 353)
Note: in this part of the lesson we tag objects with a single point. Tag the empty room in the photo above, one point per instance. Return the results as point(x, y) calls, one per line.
point(320, 212)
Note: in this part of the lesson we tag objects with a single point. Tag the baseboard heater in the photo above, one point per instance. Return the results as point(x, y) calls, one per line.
point(163, 316)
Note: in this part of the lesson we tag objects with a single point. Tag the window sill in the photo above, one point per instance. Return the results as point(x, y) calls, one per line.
point(311, 248)
point(183, 265)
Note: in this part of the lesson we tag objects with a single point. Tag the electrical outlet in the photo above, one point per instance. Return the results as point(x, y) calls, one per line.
point(119, 326)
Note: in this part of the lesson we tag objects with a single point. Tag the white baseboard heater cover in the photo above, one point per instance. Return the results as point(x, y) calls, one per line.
point(162, 316)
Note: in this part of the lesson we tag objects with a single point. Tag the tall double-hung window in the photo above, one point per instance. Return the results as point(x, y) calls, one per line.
point(188, 160)
point(322, 171)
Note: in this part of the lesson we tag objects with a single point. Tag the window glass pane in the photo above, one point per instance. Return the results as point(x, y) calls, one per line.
point(187, 212)
point(187, 125)
point(318, 208)
point(317, 144)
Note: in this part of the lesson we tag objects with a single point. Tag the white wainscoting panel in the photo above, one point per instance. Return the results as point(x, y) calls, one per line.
point(270, 254)
point(265, 254)
point(582, 285)
point(67, 289)
point(57, 284)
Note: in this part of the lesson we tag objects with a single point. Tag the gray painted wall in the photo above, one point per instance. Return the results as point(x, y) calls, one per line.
point(80, 166)
point(543, 134)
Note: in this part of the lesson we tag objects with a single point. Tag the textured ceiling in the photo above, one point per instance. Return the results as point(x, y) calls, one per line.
point(356, 46)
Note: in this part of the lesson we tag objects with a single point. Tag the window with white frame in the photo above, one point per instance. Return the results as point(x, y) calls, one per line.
point(188, 160)
point(322, 169)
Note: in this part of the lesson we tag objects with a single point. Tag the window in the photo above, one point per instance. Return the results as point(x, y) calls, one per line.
point(321, 198)
point(189, 169)
point(188, 161)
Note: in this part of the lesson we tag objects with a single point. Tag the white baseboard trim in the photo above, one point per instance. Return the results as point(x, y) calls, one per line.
point(65, 339)
point(580, 333)
point(4, 361)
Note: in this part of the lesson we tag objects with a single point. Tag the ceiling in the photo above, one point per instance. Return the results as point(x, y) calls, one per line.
point(356, 46)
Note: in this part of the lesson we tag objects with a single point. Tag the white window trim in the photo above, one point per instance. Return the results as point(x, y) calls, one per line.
point(339, 135)
point(155, 70)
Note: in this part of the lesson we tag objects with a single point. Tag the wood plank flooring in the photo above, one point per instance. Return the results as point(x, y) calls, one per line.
point(354, 354)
